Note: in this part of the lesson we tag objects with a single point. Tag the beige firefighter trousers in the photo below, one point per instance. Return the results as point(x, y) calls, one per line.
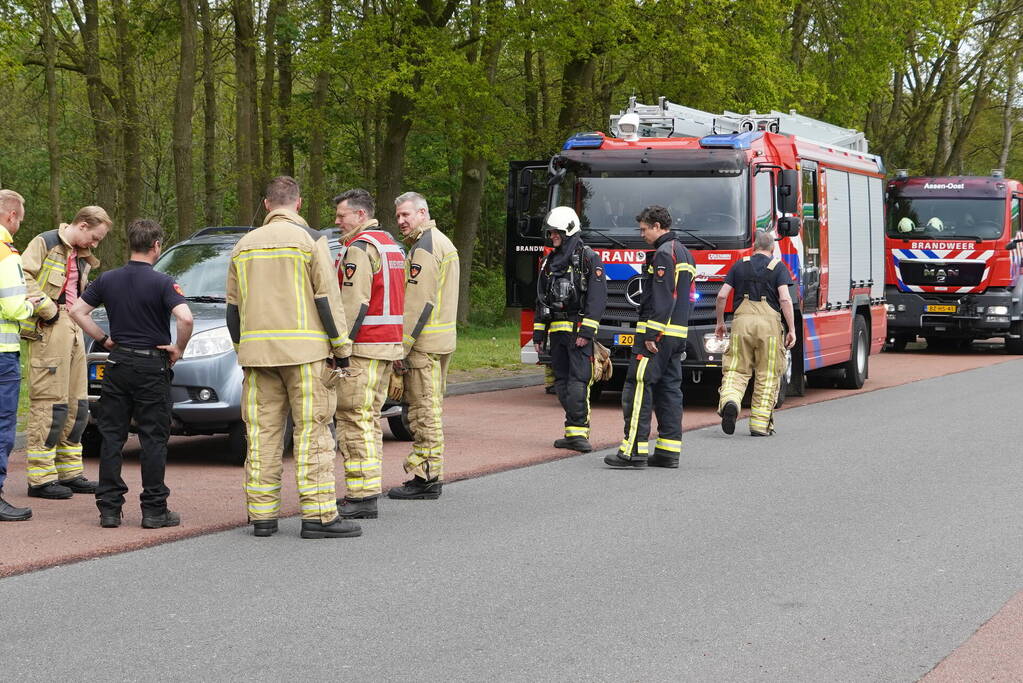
point(359, 400)
point(267, 396)
point(59, 410)
point(757, 347)
point(425, 383)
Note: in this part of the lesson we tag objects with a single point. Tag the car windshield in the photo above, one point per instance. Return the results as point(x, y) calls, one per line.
point(710, 206)
point(940, 218)
point(200, 269)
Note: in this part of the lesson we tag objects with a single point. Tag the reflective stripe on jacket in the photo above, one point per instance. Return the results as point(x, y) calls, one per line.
point(45, 265)
point(431, 292)
point(14, 306)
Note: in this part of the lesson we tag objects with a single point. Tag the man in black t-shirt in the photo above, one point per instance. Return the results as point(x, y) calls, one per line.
point(758, 342)
point(136, 382)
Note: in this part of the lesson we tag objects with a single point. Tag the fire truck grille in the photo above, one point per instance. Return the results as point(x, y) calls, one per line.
point(956, 274)
point(619, 310)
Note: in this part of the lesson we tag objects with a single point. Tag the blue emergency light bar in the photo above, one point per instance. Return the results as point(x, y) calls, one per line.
point(584, 141)
point(731, 141)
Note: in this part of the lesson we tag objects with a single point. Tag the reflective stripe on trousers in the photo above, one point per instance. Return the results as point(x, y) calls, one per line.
point(424, 391)
point(756, 348)
point(359, 400)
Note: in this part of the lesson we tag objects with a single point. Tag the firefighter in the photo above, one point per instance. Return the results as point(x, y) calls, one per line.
point(57, 265)
point(571, 295)
point(14, 307)
point(654, 381)
point(372, 276)
point(758, 342)
point(431, 303)
point(285, 317)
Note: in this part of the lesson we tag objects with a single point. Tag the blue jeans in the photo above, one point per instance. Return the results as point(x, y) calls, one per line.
point(10, 383)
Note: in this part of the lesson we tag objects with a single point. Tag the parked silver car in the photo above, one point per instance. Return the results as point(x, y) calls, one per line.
point(207, 384)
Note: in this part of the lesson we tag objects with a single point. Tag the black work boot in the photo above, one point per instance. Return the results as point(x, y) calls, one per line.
point(79, 484)
point(110, 520)
point(357, 508)
point(168, 518)
point(728, 415)
point(658, 460)
point(51, 490)
point(574, 443)
point(336, 528)
point(264, 527)
point(617, 461)
point(9, 513)
point(417, 488)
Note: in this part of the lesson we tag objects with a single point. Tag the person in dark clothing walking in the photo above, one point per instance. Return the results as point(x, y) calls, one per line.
point(654, 381)
point(572, 295)
point(137, 374)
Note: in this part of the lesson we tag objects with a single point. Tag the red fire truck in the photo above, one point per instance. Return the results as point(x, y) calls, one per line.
point(722, 176)
point(955, 248)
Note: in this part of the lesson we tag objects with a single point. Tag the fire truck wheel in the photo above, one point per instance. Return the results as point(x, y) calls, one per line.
point(785, 381)
point(856, 367)
point(1014, 347)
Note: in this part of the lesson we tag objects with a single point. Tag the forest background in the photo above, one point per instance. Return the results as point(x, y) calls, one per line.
point(181, 110)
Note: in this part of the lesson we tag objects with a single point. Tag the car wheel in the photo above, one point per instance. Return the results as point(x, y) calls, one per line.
point(238, 446)
point(399, 425)
point(92, 442)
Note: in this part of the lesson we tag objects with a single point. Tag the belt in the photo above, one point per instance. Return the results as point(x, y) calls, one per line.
point(149, 353)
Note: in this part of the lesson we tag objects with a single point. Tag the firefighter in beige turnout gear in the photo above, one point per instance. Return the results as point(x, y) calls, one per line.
point(371, 271)
point(284, 314)
point(758, 341)
point(57, 265)
point(431, 304)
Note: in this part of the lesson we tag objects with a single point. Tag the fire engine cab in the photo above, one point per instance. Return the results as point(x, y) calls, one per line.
point(955, 246)
point(722, 177)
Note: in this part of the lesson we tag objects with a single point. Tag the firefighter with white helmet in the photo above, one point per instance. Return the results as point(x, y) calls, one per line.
point(571, 296)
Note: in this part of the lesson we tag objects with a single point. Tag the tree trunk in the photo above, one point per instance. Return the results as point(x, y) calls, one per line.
point(211, 190)
point(576, 81)
point(317, 195)
point(111, 249)
point(285, 141)
point(1012, 75)
point(269, 59)
point(52, 99)
point(130, 125)
point(391, 167)
point(246, 166)
point(183, 109)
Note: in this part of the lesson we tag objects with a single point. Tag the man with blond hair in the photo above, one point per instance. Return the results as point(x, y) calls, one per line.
point(57, 265)
point(14, 307)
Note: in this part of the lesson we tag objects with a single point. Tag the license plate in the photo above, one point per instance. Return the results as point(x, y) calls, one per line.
point(96, 371)
point(625, 339)
point(935, 308)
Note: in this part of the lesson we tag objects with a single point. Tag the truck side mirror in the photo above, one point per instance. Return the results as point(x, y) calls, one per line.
point(788, 195)
point(1011, 244)
point(788, 226)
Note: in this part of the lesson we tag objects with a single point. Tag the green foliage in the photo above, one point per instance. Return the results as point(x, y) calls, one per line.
point(487, 296)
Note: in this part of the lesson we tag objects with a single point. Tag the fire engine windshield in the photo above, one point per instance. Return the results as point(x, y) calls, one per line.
point(709, 206)
point(939, 218)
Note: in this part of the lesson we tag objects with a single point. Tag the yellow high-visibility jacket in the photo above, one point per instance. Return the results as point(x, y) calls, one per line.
point(14, 306)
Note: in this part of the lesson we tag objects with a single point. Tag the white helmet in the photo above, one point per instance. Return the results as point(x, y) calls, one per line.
point(907, 225)
point(936, 224)
point(564, 219)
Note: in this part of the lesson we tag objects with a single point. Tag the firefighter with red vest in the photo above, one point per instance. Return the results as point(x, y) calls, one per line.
point(653, 384)
point(371, 271)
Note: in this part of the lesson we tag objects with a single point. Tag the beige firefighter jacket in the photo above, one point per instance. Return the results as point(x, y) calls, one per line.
point(45, 264)
point(357, 290)
point(431, 291)
point(284, 304)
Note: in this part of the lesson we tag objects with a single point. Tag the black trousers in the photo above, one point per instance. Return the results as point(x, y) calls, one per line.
point(573, 368)
point(654, 385)
point(134, 387)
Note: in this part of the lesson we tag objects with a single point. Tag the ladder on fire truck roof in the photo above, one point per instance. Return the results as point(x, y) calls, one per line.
point(667, 119)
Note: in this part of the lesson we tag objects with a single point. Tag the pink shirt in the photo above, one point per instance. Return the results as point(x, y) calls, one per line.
point(71, 287)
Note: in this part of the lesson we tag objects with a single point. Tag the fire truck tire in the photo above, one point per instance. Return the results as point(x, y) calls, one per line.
point(1014, 347)
point(856, 367)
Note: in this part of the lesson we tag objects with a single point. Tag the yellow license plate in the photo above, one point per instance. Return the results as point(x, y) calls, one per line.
point(625, 339)
point(934, 308)
point(97, 371)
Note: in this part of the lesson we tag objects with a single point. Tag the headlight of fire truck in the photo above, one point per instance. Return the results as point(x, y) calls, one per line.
point(998, 310)
point(711, 344)
point(209, 343)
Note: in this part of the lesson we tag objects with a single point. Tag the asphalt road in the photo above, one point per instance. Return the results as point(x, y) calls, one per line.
point(865, 541)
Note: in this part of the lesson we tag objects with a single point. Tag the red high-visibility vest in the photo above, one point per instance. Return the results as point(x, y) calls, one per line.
point(384, 320)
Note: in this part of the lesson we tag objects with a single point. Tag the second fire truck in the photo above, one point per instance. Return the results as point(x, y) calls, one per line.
point(722, 176)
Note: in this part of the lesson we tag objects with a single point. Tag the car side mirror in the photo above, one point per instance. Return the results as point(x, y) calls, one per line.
point(788, 226)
